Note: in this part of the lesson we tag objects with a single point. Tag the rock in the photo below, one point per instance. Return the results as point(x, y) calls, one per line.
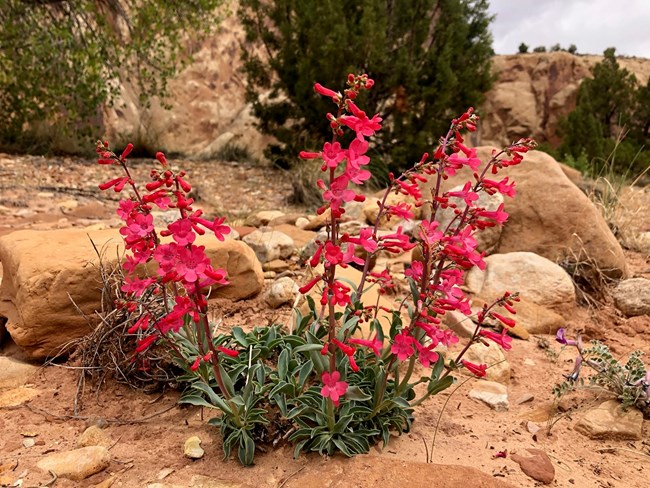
point(301, 222)
point(529, 319)
point(370, 471)
point(44, 270)
point(277, 266)
point(493, 394)
point(77, 464)
point(200, 481)
point(488, 238)
point(94, 436)
point(525, 398)
point(15, 373)
point(498, 368)
point(270, 244)
point(67, 206)
point(192, 448)
point(462, 325)
point(552, 217)
point(610, 422)
point(537, 466)
point(264, 217)
point(316, 222)
point(535, 278)
point(17, 396)
point(300, 237)
point(632, 297)
point(371, 209)
point(283, 290)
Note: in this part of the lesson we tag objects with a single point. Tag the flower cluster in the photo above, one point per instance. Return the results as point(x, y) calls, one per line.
point(446, 252)
point(183, 269)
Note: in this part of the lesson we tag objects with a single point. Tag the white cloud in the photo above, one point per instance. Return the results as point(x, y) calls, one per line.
point(592, 25)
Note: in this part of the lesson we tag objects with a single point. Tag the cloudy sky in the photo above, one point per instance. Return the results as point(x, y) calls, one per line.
point(592, 25)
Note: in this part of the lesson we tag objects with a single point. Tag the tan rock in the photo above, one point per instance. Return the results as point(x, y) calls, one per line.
point(610, 422)
point(498, 368)
point(45, 270)
point(77, 464)
point(270, 244)
point(535, 278)
point(94, 436)
point(552, 217)
point(264, 217)
point(14, 372)
point(529, 319)
point(300, 237)
point(371, 471)
point(537, 465)
point(493, 394)
point(192, 448)
point(17, 396)
point(282, 291)
point(632, 297)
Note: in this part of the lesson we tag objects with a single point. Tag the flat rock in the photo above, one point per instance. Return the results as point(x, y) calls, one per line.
point(537, 465)
point(536, 278)
point(77, 464)
point(493, 394)
point(263, 217)
point(17, 396)
point(94, 436)
point(367, 471)
point(610, 422)
point(14, 372)
point(632, 297)
point(300, 237)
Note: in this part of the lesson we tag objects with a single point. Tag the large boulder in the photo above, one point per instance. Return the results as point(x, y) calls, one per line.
point(535, 278)
point(45, 271)
point(552, 217)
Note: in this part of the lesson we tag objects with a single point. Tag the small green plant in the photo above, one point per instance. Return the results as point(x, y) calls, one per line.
point(630, 382)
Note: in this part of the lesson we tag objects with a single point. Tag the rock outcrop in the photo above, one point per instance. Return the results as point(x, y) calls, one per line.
point(45, 271)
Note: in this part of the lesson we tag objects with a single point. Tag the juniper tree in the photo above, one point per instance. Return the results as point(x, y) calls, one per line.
point(431, 60)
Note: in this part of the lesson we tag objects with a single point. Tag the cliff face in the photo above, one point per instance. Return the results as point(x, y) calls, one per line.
point(208, 109)
point(534, 91)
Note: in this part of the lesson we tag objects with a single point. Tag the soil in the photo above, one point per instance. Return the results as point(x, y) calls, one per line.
point(147, 432)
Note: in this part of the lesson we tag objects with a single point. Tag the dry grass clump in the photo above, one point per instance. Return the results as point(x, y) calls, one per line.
point(108, 352)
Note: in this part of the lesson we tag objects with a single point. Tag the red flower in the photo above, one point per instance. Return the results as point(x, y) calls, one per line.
point(477, 369)
point(403, 345)
point(332, 387)
point(502, 339)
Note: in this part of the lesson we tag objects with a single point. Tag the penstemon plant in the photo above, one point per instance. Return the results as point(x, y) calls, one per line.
point(325, 385)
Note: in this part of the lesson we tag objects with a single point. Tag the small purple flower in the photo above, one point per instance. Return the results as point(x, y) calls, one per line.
point(573, 377)
point(560, 337)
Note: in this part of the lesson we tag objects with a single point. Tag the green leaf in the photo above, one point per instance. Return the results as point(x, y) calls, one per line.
point(283, 364)
point(355, 393)
point(240, 336)
point(436, 371)
point(304, 373)
point(196, 400)
point(212, 397)
point(437, 387)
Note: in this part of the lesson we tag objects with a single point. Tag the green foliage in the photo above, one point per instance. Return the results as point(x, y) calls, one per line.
point(523, 48)
point(572, 49)
point(275, 395)
point(626, 381)
point(61, 60)
point(539, 49)
point(610, 125)
point(430, 60)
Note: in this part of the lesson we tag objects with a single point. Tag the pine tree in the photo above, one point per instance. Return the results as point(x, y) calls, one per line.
point(430, 60)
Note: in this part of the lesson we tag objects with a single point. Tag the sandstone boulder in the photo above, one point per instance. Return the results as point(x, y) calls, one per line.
point(632, 297)
point(610, 422)
point(535, 278)
point(77, 464)
point(552, 217)
point(44, 271)
point(270, 244)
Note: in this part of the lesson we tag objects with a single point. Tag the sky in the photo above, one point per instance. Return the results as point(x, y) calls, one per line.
point(592, 25)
